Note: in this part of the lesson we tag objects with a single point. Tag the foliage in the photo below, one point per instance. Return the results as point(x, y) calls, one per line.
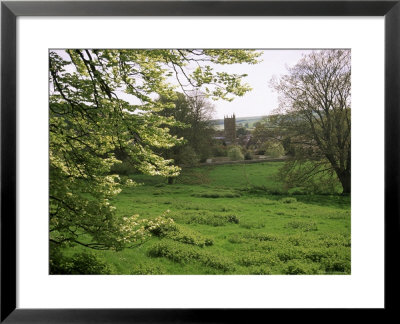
point(235, 153)
point(193, 112)
point(274, 149)
point(184, 254)
point(295, 267)
point(219, 150)
point(103, 102)
point(207, 218)
point(182, 234)
point(248, 156)
point(79, 263)
point(288, 200)
point(315, 100)
point(122, 168)
point(309, 176)
point(302, 225)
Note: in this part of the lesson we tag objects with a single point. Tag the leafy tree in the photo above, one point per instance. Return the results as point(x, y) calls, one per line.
point(315, 102)
point(193, 112)
point(261, 134)
point(242, 131)
point(104, 101)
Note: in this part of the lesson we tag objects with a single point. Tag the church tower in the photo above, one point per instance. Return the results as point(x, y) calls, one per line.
point(230, 129)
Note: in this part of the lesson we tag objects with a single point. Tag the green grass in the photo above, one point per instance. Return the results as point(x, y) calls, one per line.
point(225, 225)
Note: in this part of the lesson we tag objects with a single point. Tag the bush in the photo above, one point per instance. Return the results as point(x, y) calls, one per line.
point(219, 150)
point(187, 156)
point(288, 200)
point(211, 219)
point(302, 225)
point(274, 150)
point(235, 153)
point(182, 234)
point(181, 253)
point(295, 267)
point(260, 270)
point(257, 258)
point(288, 253)
point(248, 156)
point(335, 266)
point(79, 263)
point(217, 194)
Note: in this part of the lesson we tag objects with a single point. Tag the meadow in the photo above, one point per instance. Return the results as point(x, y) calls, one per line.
point(233, 219)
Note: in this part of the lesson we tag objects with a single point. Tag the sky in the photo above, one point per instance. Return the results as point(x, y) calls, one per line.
point(262, 100)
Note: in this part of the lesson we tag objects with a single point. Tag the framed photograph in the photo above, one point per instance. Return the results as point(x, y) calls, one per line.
point(186, 161)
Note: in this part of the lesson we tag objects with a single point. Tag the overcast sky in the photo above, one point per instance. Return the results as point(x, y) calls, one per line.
point(262, 99)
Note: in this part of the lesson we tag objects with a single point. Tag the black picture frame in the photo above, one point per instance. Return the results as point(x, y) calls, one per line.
point(11, 10)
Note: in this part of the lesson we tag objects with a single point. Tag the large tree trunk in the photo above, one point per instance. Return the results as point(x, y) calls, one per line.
point(345, 180)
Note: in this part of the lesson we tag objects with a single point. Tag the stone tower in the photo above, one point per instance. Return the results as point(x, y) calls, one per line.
point(230, 129)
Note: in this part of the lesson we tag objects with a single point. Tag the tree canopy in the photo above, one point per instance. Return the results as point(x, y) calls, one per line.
point(102, 101)
point(194, 112)
point(315, 98)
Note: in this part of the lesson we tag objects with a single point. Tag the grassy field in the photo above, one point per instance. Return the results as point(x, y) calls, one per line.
point(229, 220)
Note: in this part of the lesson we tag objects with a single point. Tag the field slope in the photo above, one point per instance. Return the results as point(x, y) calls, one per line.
point(229, 221)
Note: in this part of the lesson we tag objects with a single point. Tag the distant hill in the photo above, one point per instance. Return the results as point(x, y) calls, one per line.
point(240, 121)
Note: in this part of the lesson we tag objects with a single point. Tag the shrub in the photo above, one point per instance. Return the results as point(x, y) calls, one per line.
point(261, 236)
point(235, 153)
point(232, 219)
point(219, 150)
point(184, 254)
point(248, 156)
point(260, 270)
point(147, 269)
point(334, 240)
point(253, 237)
point(236, 238)
point(288, 200)
point(182, 234)
point(257, 258)
point(213, 219)
point(316, 255)
point(79, 263)
point(274, 150)
point(302, 225)
point(288, 253)
point(295, 267)
point(186, 156)
point(335, 266)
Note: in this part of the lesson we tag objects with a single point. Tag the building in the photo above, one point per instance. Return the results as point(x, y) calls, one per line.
point(230, 129)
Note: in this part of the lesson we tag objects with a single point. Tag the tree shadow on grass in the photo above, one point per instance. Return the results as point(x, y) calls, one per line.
point(337, 201)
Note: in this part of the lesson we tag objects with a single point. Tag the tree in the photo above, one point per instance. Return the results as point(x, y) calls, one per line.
point(103, 101)
point(315, 101)
point(194, 112)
